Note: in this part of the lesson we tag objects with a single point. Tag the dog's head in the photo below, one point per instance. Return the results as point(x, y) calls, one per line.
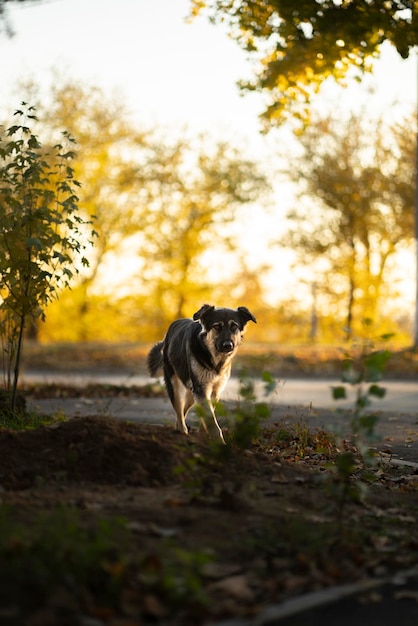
point(223, 328)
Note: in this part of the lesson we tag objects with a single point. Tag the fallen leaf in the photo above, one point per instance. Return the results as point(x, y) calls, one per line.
point(236, 586)
point(221, 570)
point(154, 607)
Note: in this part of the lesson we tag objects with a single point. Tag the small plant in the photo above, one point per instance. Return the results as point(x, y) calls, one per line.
point(56, 550)
point(201, 471)
point(246, 418)
point(28, 419)
point(175, 574)
point(41, 234)
point(363, 369)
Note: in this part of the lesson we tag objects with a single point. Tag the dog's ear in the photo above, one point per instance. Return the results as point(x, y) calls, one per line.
point(206, 308)
point(246, 316)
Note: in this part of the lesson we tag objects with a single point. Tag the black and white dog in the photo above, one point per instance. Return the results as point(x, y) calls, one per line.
point(196, 356)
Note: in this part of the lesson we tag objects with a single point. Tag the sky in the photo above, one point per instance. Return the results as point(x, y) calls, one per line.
point(173, 73)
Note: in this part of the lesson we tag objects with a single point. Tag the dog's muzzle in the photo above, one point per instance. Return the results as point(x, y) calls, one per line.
point(227, 346)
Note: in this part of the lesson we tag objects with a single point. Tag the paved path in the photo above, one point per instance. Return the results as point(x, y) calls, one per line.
point(401, 395)
point(305, 401)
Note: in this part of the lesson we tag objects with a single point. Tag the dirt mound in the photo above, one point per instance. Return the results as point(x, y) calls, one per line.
point(91, 450)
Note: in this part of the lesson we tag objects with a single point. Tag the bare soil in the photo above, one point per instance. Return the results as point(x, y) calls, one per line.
point(207, 533)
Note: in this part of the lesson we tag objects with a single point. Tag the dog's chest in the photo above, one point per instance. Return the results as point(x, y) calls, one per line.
point(216, 376)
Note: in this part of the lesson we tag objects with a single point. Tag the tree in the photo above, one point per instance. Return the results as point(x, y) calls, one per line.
point(41, 233)
point(191, 207)
point(298, 45)
point(361, 177)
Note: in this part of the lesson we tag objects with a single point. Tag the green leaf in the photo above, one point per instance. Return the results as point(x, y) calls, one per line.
point(262, 410)
point(12, 130)
point(375, 365)
point(34, 242)
point(350, 374)
point(368, 422)
point(45, 275)
point(33, 143)
point(376, 390)
point(362, 401)
point(387, 336)
point(345, 464)
point(339, 393)
point(270, 382)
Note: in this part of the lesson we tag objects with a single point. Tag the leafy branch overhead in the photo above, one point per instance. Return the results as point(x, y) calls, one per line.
point(298, 45)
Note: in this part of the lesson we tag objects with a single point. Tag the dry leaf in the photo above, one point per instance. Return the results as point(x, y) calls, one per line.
point(236, 586)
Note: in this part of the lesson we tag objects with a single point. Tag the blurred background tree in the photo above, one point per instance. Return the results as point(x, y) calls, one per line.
point(188, 223)
point(355, 186)
point(171, 202)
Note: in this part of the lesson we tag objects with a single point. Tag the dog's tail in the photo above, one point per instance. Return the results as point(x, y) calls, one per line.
point(155, 358)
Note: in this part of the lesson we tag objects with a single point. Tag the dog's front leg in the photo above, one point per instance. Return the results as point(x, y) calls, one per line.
point(181, 399)
point(182, 406)
point(208, 419)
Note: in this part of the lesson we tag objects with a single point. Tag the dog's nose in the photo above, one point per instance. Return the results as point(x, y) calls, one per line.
point(227, 346)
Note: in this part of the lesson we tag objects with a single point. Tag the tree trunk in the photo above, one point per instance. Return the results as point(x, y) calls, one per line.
point(313, 334)
point(350, 306)
point(13, 397)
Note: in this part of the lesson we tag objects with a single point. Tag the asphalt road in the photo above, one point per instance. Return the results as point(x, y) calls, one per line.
point(304, 401)
point(401, 395)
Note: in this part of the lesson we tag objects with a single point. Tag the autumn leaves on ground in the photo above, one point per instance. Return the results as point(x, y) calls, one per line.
point(131, 524)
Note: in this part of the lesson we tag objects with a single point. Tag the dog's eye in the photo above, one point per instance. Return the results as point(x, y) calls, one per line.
point(233, 326)
point(217, 326)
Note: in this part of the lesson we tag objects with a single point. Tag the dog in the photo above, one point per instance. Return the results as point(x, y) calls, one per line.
point(196, 356)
